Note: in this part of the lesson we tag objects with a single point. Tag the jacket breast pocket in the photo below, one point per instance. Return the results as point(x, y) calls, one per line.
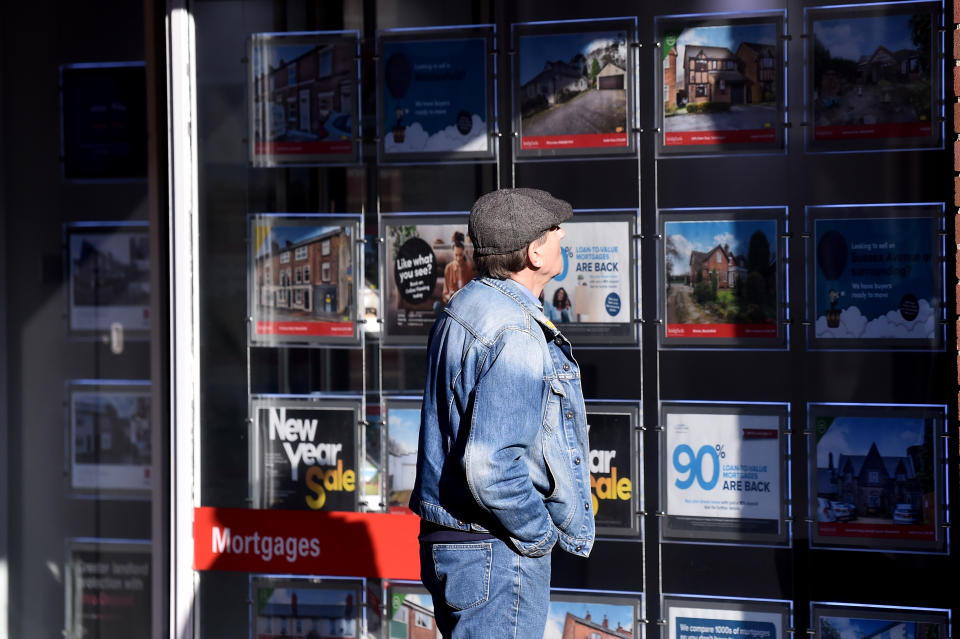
point(552, 405)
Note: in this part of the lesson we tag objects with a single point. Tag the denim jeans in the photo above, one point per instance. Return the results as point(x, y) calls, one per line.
point(486, 590)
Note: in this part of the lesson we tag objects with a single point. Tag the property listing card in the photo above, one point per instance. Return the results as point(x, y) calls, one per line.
point(701, 619)
point(721, 279)
point(304, 608)
point(302, 278)
point(877, 477)
point(304, 98)
point(573, 614)
point(573, 87)
point(108, 589)
point(873, 77)
point(435, 96)
point(876, 280)
point(722, 84)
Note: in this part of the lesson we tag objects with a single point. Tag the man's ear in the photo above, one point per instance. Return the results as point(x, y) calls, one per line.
point(534, 256)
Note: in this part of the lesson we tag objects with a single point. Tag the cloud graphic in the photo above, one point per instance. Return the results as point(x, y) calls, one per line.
point(416, 140)
point(855, 325)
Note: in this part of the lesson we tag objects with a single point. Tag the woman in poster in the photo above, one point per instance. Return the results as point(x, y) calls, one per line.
point(560, 309)
point(458, 272)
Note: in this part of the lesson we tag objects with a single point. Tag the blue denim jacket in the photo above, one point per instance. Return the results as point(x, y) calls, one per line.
point(503, 430)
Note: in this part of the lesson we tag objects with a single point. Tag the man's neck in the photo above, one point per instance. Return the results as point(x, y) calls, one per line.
point(531, 280)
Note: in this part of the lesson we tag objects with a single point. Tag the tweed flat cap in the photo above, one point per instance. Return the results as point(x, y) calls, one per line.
point(506, 220)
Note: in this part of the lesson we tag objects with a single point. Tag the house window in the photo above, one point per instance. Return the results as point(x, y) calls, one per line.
point(701, 65)
point(713, 64)
point(718, 258)
point(873, 477)
point(421, 620)
point(298, 275)
point(325, 62)
point(300, 253)
point(723, 85)
point(766, 63)
point(298, 297)
point(594, 635)
point(306, 274)
point(400, 616)
point(267, 274)
point(701, 90)
point(325, 272)
point(730, 64)
point(285, 257)
point(325, 247)
point(292, 74)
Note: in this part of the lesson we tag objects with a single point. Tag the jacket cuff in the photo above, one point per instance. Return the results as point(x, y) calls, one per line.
point(537, 548)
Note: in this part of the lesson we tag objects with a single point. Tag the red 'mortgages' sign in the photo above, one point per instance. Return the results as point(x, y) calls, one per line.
point(306, 542)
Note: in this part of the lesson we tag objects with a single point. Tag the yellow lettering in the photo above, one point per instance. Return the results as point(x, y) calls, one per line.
point(314, 479)
point(624, 489)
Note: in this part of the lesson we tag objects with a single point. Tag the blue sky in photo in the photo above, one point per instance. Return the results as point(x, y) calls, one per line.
point(728, 36)
point(851, 628)
point(852, 38)
point(294, 234)
point(404, 425)
point(705, 235)
point(616, 613)
point(853, 436)
point(536, 50)
point(321, 596)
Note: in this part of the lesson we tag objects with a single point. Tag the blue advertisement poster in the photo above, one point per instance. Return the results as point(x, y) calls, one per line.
point(434, 96)
point(875, 278)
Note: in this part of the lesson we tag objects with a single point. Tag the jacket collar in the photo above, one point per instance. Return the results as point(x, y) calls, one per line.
point(513, 290)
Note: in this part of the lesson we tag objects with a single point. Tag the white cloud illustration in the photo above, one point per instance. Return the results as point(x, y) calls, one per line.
point(449, 139)
point(853, 324)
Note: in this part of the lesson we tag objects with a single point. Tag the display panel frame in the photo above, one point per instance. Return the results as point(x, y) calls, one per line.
point(95, 480)
point(631, 524)
point(768, 335)
point(767, 609)
point(818, 262)
point(326, 454)
point(606, 602)
point(421, 610)
point(391, 298)
point(484, 32)
point(761, 418)
point(260, 598)
point(90, 267)
point(401, 431)
point(599, 334)
point(133, 581)
point(343, 62)
point(100, 156)
point(885, 615)
point(343, 256)
point(728, 141)
point(887, 537)
point(865, 137)
point(598, 145)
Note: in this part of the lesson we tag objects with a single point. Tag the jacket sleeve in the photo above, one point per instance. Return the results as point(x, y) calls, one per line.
point(506, 419)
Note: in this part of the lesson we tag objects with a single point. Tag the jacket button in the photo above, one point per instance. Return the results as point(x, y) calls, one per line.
point(569, 414)
point(566, 367)
point(577, 461)
point(586, 506)
point(559, 341)
point(579, 548)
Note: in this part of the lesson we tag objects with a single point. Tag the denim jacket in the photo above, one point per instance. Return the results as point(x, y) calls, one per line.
point(503, 430)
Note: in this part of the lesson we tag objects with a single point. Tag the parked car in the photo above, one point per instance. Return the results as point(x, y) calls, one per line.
point(844, 511)
point(905, 514)
point(825, 510)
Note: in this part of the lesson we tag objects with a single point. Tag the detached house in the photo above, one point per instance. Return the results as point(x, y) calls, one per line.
point(873, 483)
point(712, 74)
point(729, 267)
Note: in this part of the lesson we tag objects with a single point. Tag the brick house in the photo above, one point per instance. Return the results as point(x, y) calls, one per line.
point(585, 628)
point(729, 267)
point(873, 483)
point(310, 87)
point(758, 65)
point(411, 620)
point(312, 276)
point(712, 74)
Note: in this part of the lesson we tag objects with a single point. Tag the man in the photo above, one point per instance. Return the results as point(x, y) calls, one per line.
point(502, 464)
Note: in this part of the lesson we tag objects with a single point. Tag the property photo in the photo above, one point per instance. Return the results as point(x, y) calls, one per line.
point(721, 84)
point(568, 618)
point(721, 277)
point(872, 76)
point(572, 90)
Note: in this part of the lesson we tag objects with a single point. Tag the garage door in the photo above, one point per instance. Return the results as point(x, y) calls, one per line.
point(611, 82)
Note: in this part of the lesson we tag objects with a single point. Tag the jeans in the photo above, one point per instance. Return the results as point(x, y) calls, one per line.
point(486, 590)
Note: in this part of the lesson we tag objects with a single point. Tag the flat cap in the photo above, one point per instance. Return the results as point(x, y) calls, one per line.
point(506, 220)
